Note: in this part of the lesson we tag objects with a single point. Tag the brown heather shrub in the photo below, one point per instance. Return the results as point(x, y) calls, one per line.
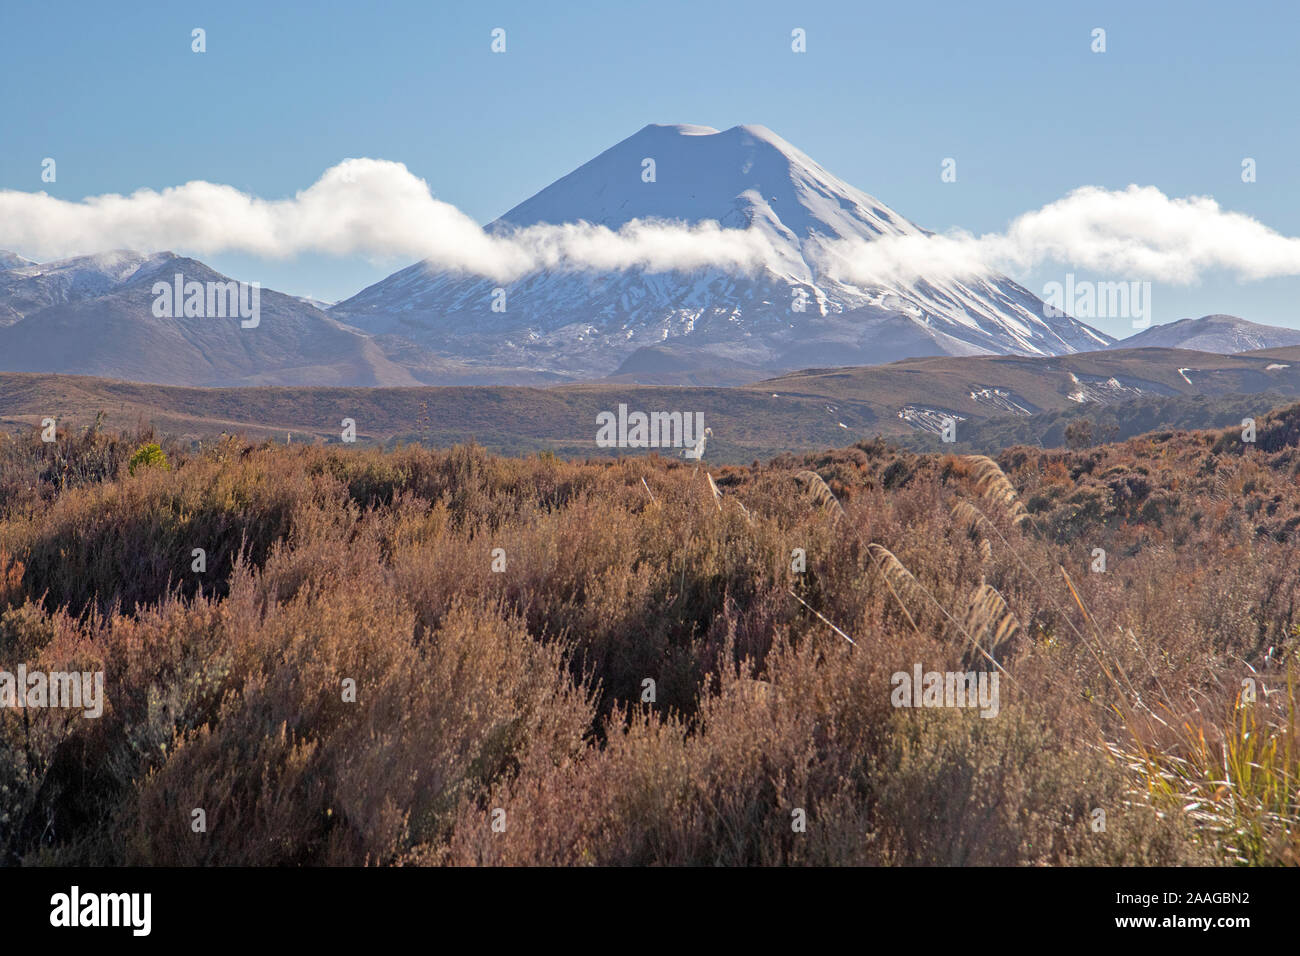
point(11, 578)
point(524, 689)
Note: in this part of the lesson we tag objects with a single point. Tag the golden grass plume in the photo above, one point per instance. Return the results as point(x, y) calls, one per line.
point(817, 489)
point(992, 484)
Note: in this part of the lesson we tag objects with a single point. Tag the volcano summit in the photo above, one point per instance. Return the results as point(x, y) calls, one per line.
point(789, 311)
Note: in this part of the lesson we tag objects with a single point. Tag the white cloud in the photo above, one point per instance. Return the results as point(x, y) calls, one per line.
point(1135, 233)
point(380, 209)
point(359, 207)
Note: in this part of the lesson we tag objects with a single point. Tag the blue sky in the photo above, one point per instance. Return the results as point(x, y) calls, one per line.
point(884, 93)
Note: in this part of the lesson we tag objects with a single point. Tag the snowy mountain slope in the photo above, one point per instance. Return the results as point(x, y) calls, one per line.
point(28, 287)
point(12, 260)
point(1221, 334)
point(586, 323)
point(93, 315)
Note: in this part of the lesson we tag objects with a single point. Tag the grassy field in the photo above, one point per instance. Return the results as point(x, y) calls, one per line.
point(448, 657)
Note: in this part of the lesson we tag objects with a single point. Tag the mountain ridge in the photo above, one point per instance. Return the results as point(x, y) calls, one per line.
point(1225, 334)
point(94, 315)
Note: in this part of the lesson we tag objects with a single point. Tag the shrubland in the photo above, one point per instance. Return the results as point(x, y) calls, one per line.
point(645, 661)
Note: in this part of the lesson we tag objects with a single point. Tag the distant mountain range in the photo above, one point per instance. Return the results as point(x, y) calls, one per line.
point(94, 314)
point(1223, 334)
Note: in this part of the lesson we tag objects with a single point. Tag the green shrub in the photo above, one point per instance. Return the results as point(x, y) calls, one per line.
point(149, 456)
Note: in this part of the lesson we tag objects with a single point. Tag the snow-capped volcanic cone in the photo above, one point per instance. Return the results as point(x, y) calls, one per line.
point(786, 312)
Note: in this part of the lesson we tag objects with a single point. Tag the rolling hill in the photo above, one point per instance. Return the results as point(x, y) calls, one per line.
point(1028, 398)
